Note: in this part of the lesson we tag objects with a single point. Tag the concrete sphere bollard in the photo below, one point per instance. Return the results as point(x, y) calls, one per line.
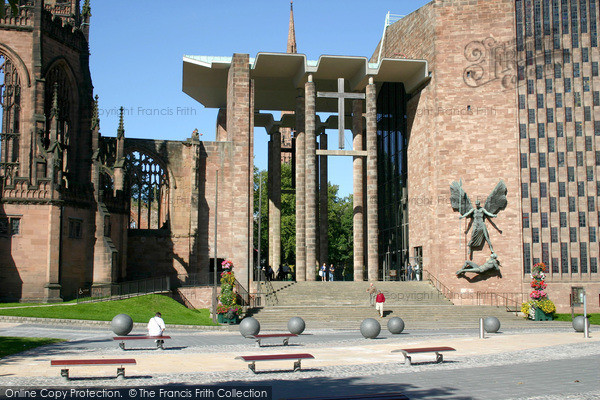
point(491, 324)
point(579, 323)
point(370, 328)
point(395, 325)
point(296, 325)
point(121, 324)
point(249, 327)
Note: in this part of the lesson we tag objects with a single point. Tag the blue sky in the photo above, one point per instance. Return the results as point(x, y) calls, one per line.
point(137, 48)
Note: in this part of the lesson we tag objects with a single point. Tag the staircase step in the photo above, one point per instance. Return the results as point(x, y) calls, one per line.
point(343, 305)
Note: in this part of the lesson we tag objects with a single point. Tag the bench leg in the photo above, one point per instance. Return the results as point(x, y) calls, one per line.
point(297, 365)
point(286, 341)
point(439, 358)
point(65, 373)
point(407, 360)
point(122, 345)
point(257, 342)
point(121, 373)
point(252, 367)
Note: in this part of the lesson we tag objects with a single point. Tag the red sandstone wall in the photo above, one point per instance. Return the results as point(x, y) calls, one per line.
point(458, 131)
point(189, 245)
point(24, 257)
point(77, 254)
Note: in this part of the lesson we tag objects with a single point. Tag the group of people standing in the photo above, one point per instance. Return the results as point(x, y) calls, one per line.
point(327, 274)
point(283, 273)
point(412, 272)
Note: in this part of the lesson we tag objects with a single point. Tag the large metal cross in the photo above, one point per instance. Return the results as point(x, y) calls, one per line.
point(341, 96)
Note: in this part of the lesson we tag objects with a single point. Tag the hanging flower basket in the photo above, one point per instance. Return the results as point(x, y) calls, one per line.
point(539, 307)
point(228, 311)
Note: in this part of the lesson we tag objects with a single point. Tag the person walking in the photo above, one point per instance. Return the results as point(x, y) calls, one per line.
point(417, 272)
point(409, 276)
point(379, 300)
point(323, 272)
point(331, 272)
point(156, 327)
point(372, 290)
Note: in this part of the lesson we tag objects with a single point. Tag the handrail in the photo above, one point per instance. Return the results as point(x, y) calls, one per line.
point(511, 301)
point(242, 293)
point(443, 289)
point(265, 288)
point(270, 294)
point(123, 290)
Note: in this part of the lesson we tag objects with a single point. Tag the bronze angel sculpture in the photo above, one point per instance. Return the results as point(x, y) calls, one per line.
point(494, 203)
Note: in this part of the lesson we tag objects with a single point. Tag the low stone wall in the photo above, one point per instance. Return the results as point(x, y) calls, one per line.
point(197, 297)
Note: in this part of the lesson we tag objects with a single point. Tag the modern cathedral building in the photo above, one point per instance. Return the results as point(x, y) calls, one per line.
point(497, 99)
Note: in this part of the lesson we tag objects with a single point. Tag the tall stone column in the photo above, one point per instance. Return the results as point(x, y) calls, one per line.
point(311, 179)
point(275, 202)
point(270, 197)
point(323, 204)
point(300, 191)
point(372, 199)
point(358, 236)
point(240, 131)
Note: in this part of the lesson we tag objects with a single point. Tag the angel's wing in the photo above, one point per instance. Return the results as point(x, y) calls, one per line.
point(458, 198)
point(496, 201)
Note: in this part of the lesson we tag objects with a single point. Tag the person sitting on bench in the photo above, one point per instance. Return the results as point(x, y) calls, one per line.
point(156, 327)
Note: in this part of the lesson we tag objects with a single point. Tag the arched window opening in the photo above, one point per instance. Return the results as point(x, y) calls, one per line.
point(148, 189)
point(10, 107)
point(57, 137)
point(106, 183)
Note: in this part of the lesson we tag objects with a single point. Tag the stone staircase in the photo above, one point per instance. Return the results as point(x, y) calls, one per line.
point(343, 305)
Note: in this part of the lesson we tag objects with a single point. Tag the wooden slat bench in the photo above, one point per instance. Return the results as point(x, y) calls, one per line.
point(437, 350)
point(101, 361)
point(141, 337)
point(286, 337)
point(251, 360)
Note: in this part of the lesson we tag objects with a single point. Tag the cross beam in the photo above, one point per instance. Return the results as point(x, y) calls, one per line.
point(341, 96)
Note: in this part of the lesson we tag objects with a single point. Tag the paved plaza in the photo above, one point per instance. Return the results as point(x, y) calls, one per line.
point(535, 363)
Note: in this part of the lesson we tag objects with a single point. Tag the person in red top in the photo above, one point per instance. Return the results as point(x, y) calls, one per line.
point(379, 300)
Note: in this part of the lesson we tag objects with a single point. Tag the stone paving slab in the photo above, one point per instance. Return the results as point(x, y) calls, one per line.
point(502, 366)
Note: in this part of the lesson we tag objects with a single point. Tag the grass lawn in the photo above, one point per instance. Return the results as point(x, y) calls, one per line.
point(140, 309)
point(594, 318)
point(11, 345)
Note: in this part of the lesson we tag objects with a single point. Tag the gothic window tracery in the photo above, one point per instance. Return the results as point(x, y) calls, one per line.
point(10, 107)
point(148, 190)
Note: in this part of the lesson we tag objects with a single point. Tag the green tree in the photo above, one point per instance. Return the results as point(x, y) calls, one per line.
point(260, 179)
point(339, 216)
point(288, 217)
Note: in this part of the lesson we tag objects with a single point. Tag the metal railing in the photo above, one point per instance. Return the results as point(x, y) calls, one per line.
point(242, 294)
point(443, 289)
point(511, 301)
point(124, 290)
point(266, 295)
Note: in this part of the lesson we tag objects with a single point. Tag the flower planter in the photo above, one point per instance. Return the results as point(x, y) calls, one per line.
point(222, 319)
point(542, 316)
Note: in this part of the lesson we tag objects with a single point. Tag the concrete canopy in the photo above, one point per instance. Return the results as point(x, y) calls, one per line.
point(278, 76)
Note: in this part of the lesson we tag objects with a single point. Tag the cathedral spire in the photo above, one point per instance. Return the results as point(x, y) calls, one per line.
point(291, 42)
point(121, 129)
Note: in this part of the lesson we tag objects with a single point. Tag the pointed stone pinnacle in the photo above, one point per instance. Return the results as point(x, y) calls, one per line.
point(121, 129)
